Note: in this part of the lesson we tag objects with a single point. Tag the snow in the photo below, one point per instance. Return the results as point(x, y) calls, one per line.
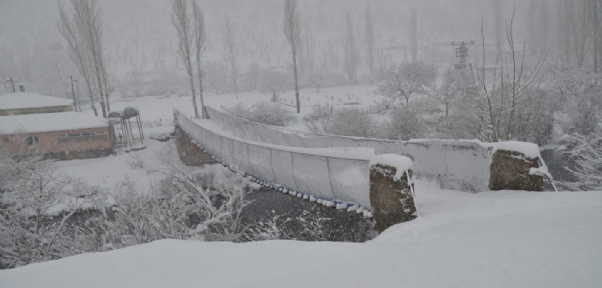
point(38, 123)
point(492, 239)
point(23, 100)
point(352, 176)
point(401, 163)
point(355, 153)
point(530, 150)
point(115, 171)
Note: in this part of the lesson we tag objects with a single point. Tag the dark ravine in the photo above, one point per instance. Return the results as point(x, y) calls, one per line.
point(335, 225)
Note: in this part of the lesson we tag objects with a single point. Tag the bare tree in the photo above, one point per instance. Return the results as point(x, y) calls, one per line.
point(414, 35)
point(370, 38)
point(292, 30)
point(78, 54)
point(407, 80)
point(230, 45)
point(594, 9)
point(351, 53)
point(309, 49)
point(83, 33)
point(88, 18)
point(499, 99)
point(181, 21)
point(448, 90)
point(200, 39)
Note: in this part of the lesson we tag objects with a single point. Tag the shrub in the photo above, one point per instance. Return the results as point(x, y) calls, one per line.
point(266, 113)
point(318, 118)
point(405, 124)
point(351, 122)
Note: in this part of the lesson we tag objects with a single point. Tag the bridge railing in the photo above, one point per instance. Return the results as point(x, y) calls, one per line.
point(328, 174)
point(457, 165)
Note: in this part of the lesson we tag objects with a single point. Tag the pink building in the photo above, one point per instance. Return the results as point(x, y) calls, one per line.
point(61, 136)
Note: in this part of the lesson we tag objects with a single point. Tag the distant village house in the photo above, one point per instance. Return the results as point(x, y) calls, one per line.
point(28, 103)
point(32, 124)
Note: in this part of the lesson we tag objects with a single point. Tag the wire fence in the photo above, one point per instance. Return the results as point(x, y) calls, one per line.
point(455, 165)
point(295, 171)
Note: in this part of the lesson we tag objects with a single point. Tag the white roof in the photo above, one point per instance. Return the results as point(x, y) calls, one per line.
point(22, 100)
point(36, 123)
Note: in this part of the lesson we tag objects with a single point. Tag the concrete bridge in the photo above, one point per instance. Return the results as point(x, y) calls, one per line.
point(335, 171)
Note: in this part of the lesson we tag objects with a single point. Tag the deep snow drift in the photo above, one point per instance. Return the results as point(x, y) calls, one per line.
point(489, 239)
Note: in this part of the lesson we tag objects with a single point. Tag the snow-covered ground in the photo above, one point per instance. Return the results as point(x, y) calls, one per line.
point(490, 239)
point(158, 110)
point(155, 108)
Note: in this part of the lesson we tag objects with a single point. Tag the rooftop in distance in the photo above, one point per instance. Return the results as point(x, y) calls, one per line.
point(37, 123)
point(24, 100)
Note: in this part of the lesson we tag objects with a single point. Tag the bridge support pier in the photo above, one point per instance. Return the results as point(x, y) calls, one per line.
point(391, 195)
point(510, 170)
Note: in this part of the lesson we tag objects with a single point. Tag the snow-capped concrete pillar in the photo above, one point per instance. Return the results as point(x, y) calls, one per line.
point(190, 153)
point(391, 190)
point(513, 170)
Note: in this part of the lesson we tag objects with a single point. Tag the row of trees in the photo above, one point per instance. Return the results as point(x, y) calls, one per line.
point(189, 23)
point(82, 28)
point(292, 30)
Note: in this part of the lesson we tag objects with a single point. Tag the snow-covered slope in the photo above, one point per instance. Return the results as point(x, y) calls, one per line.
point(491, 239)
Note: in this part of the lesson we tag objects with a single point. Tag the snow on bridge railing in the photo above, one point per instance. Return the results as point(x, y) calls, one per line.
point(462, 165)
point(333, 177)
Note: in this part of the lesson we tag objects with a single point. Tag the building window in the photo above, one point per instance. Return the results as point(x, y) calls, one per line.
point(32, 140)
point(5, 139)
point(84, 134)
point(94, 136)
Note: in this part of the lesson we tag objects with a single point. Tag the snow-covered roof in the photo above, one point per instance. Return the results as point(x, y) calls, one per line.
point(36, 123)
point(23, 100)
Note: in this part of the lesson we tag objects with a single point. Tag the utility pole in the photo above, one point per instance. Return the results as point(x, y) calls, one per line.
point(12, 83)
point(462, 53)
point(73, 93)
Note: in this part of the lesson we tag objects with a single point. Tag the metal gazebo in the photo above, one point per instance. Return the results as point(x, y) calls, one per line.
point(124, 124)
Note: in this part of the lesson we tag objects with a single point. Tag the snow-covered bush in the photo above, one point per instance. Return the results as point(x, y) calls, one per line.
point(182, 208)
point(405, 124)
point(308, 227)
point(318, 118)
point(351, 122)
point(266, 113)
point(345, 122)
point(35, 207)
point(586, 152)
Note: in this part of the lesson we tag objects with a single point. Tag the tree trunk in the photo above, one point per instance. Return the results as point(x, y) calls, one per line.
point(192, 89)
point(296, 81)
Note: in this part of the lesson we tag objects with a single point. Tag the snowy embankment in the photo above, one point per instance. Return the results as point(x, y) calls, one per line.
point(489, 239)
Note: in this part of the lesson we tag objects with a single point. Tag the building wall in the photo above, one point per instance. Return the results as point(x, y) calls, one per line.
point(56, 109)
point(58, 142)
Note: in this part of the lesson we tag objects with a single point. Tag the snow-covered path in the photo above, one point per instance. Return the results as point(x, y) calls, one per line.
point(490, 239)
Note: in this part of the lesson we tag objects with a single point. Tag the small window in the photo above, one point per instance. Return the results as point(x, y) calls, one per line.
point(5, 139)
point(32, 140)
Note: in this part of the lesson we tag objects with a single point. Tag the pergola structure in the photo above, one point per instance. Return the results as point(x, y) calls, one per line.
point(123, 125)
